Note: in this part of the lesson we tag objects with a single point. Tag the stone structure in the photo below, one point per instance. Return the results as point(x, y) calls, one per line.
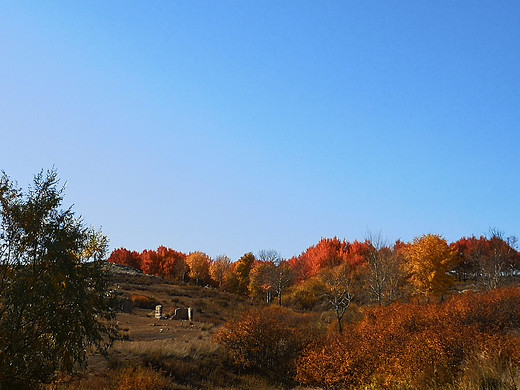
point(183, 313)
point(158, 312)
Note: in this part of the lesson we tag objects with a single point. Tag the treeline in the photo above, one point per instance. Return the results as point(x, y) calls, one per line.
point(335, 270)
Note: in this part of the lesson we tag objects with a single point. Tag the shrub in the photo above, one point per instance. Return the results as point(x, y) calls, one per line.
point(138, 378)
point(269, 339)
point(144, 302)
point(422, 346)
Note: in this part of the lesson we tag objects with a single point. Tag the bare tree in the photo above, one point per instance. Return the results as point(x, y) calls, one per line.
point(385, 275)
point(339, 290)
point(500, 258)
point(269, 255)
point(283, 277)
point(280, 276)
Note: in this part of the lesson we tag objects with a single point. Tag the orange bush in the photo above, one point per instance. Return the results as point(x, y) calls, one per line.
point(417, 346)
point(267, 339)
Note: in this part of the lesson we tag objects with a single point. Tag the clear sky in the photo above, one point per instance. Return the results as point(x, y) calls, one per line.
point(235, 126)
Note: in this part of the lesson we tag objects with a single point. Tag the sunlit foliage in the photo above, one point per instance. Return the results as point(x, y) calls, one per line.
point(428, 260)
point(416, 346)
point(268, 339)
point(199, 263)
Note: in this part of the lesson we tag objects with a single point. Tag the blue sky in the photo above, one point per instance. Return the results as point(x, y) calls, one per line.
point(235, 126)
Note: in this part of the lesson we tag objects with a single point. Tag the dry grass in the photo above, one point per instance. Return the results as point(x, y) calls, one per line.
point(181, 348)
point(485, 372)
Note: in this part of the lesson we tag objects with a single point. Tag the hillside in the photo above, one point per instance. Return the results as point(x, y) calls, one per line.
point(167, 353)
point(179, 354)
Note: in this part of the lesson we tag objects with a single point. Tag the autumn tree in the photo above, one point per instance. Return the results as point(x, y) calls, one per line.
point(219, 269)
point(172, 263)
point(487, 258)
point(428, 260)
point(199, 264)
point(417, 346)
point(357, 253)
point(307, 295)
point(125, 257)
point(54, 290)
point(269, 339)
point(328, 253)
point(238, 281)
point(499, 258)
point(261, 279)
point(151, 262)
point(282, 279)
point(469, 250)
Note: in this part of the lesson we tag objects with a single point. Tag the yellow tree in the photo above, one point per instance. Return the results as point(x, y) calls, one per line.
point(261, 278)
point(199, 263)
point(428, 260)
point(238, 281)
point(219, 269)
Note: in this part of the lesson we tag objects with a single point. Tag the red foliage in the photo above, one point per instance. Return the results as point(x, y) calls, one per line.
point(476, 253)
point(163, 262)
point(151, 262)
point(172, 263)
point(125, 257)
point(328, 253)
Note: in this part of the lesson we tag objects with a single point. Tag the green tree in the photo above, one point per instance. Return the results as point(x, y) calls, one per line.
point(54, 297)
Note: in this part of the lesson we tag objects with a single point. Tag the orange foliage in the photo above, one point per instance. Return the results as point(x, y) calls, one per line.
point(220, 269)
point(172, 263)
point(261, 278)
point(137, 378)
point(486, 258)
point(164, 262)
point(151, 262)
point(267, 339)
point(417, 346)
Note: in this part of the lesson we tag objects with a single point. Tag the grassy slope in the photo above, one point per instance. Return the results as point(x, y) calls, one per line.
point(169, 354)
